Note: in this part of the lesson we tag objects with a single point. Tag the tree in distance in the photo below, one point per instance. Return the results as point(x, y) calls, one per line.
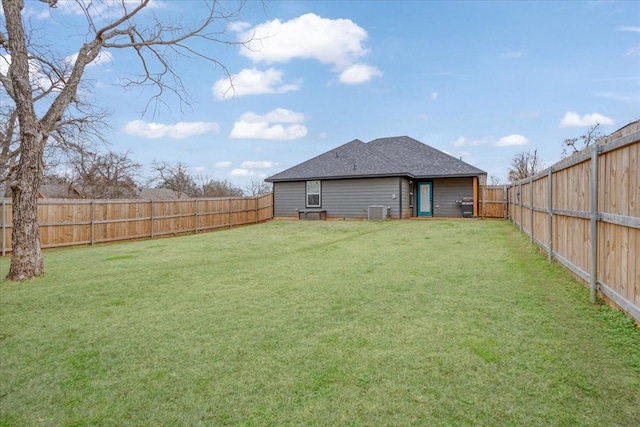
point(158, 45)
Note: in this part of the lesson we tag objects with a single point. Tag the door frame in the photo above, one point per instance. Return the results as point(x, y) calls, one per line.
point(419, 195)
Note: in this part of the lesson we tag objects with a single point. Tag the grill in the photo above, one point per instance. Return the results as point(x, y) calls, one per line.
point(467, 207)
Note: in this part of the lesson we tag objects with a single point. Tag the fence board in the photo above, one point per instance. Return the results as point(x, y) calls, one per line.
point(634, 272)
point(617, 217)
point(493, 202)
point(66, 222)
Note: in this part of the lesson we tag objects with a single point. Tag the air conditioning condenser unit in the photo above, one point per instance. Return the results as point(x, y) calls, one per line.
point(377, 213)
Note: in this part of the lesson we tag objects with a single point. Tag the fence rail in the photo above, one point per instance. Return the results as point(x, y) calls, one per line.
point(68, 222)
point(585, 213)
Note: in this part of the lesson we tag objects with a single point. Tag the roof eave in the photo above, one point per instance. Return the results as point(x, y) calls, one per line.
point(388, 175)
point(455, 175)
point(336, 177)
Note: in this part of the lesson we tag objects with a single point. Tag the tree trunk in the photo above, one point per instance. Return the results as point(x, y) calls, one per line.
point(27, 260)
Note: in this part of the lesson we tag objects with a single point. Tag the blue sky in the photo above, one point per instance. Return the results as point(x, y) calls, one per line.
point(478, 80)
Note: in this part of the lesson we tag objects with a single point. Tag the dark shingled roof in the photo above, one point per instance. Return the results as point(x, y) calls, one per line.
point(421, 160)
point(157, 194)
point(396, 156)
point(58, 191)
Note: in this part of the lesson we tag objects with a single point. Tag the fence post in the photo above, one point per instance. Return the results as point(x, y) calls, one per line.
point(520, 201)
point(505, 199)
point(509, 197)
point(531, 208)
point(550, 213)
point(151, 217)
point(196, 213)
point(593, 270)
point(93, 222)
point(256, 201)
point(229, 212)
point(4, 227)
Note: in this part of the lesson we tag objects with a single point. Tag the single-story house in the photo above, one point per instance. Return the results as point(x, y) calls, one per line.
point(53, 191)
point(58, 191)
point(157, 194)
point(400, 175)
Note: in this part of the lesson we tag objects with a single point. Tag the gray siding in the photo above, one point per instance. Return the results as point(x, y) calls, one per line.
point(350, 198)
point(445, 194)
point(288, 198)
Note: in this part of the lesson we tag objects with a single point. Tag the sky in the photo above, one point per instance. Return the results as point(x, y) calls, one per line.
point(481, 81)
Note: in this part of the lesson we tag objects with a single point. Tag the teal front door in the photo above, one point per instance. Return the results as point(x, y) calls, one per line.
point(425, 199)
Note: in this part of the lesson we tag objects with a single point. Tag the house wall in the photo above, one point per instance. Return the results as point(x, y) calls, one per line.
point(408, 198)
point(350, 198)
point(287, 198)
point(340, 198)
point(446, 192)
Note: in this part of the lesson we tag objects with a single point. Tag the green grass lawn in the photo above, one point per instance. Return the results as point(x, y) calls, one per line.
point(314, 323)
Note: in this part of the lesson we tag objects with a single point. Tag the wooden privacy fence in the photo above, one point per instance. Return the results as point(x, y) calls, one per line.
point(67, 222)
point(493, 202)
point(585, 212)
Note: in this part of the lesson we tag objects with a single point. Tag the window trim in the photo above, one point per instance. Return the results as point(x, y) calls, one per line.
point(319, 193)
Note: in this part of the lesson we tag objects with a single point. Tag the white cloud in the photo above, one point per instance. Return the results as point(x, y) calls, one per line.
point(359, 73)
point(337, 42)
point(251, 81)
point(240, 172)
point(238, 26)
point(224, 164)
point(257, 164)
point(244, 130)
point(279, 115)
point(434, 95)
point(463, 141)
point(5, 62)
point(269, 126)
point(512, 140)
point(629, 29)
point(330, 41)
point(178, 130)
point(39, 78)
point(572, 119)
point(512, 55)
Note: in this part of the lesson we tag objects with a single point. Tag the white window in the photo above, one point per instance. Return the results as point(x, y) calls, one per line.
point(313, 194)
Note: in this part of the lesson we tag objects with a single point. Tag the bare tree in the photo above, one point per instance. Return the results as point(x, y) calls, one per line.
point(257, 188)
point(124, 26)
point(524, 165)
point(80, 128)
point(575, 145)
point(217, 188)
point(175, 177)
point(493, 181)
point(105, 176)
